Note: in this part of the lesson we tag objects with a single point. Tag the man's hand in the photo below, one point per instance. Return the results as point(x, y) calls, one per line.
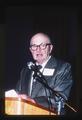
point(24, 96)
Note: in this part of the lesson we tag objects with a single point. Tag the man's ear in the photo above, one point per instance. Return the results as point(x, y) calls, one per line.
point(30, 49)
point(51, 48)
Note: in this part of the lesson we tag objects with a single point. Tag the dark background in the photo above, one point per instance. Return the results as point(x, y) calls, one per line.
point(62, 23)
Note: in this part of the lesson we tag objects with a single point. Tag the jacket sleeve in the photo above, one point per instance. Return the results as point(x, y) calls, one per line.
point(63, 82)
point(24, 83)
point(19, 83)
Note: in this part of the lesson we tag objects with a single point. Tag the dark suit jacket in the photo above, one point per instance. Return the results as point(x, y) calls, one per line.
point(60, 81)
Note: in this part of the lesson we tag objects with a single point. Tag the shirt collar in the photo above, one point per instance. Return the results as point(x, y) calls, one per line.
point(43, 64)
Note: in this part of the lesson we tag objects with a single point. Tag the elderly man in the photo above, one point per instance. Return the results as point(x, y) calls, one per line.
point(56, 73)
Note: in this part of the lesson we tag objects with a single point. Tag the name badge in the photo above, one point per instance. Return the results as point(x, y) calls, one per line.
point(48, 72)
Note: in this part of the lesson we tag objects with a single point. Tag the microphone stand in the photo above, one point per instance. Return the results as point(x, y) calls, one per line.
point(37, 75)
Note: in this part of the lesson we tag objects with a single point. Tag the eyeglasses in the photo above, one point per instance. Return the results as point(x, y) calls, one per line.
point(41, 46)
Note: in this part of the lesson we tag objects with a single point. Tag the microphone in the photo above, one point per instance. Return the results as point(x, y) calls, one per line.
point(32, 66)
point(36, 69)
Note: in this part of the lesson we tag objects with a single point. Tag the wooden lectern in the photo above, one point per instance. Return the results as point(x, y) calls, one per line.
point(19, 106)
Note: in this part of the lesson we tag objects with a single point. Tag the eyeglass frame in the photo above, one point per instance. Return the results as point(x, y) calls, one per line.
point(36, 46)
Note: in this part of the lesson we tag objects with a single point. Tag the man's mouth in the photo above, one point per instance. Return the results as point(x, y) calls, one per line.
point(39, 55)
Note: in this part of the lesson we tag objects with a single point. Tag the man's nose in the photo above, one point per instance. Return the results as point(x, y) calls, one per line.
point(38, 48)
